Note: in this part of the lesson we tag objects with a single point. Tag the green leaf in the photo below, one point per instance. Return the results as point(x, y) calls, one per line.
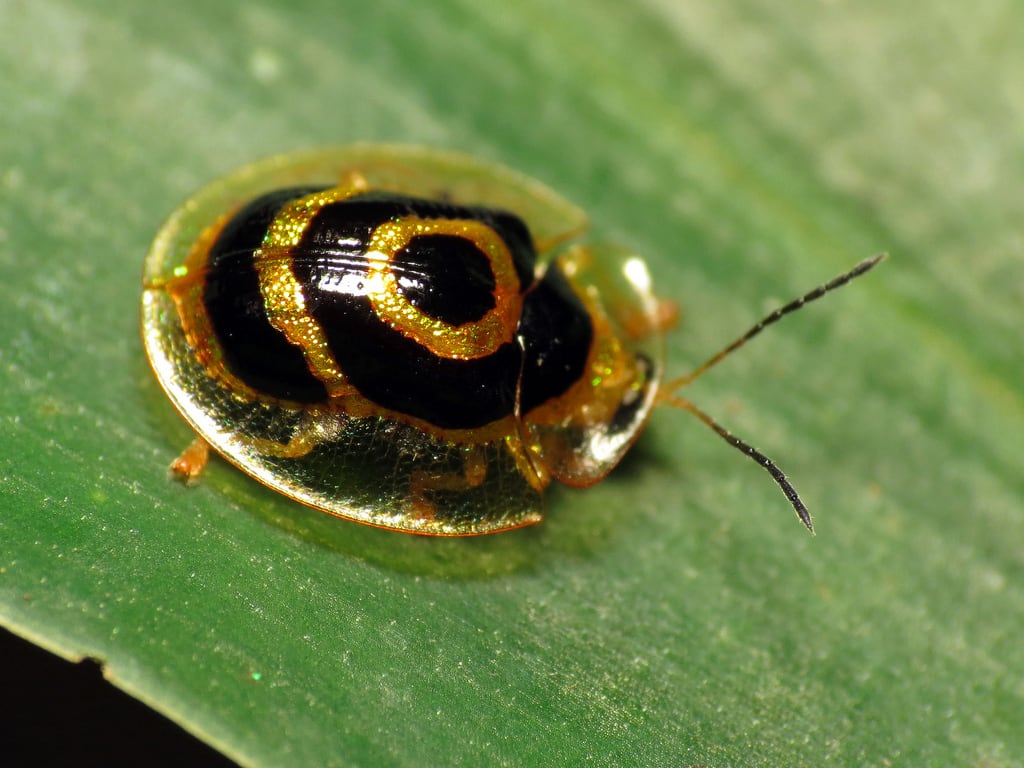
point(676, 613)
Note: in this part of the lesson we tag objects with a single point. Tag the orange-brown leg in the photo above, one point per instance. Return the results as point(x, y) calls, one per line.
point(664, 317)
point(355, 179)
point(307, 436)
point(474, 472)
point(190, 464)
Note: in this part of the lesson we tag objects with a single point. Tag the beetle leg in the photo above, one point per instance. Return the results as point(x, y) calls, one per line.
point(309, 433)
point(421, 484)
point(190, 464)
point(529, 465)
point(662, 317)
point(192, 461)
point(355, 179)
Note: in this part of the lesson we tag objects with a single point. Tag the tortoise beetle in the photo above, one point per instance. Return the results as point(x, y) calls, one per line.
point(408, 338)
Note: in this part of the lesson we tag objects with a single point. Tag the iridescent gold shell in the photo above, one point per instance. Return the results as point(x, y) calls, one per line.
point(354, 461)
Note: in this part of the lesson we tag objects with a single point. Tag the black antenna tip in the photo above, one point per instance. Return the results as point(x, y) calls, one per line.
point(791, 494)
point(867, 264)
point(805, 518)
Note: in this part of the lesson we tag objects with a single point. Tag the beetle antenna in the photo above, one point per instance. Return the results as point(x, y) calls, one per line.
point(669, 397)
point(773, 469)
point(774, 317)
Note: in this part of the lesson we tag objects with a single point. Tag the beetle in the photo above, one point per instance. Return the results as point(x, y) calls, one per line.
point(410, 338)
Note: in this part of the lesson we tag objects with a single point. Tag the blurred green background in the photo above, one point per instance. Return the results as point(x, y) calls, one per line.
point(677, 613)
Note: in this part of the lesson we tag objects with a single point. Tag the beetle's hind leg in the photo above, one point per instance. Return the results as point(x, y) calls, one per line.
point(314, 429)
point(424, 483)
point(310, 432)
point(191, 462)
